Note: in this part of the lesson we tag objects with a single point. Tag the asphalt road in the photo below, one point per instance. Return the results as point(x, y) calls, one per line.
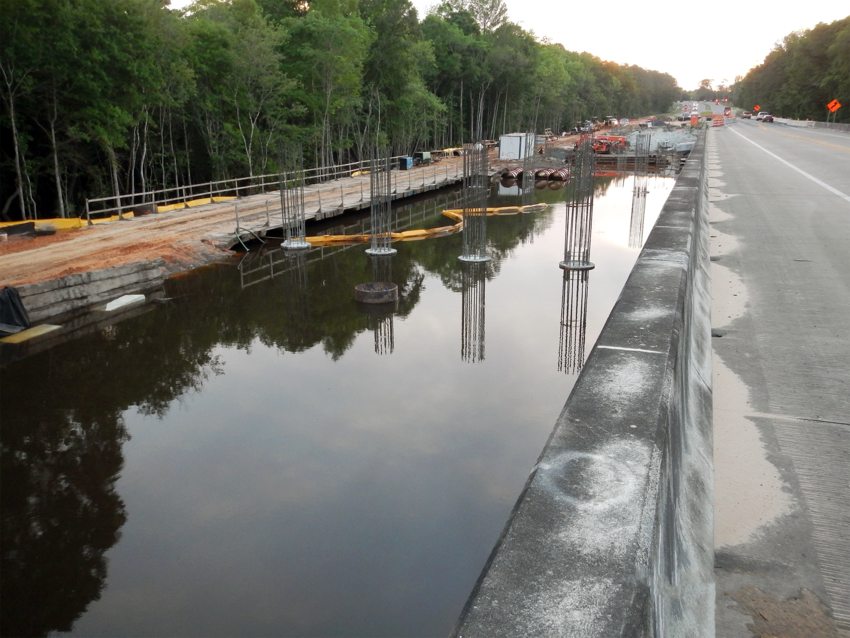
point(780, 213)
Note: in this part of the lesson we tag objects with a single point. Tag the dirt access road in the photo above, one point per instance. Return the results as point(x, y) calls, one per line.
point(187, 238)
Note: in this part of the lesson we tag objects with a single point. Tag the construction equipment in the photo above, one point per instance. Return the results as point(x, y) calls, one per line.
point(605, 143)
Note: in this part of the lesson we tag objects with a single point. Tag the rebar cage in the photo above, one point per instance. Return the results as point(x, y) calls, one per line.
point(640, 190)
point(476, 186)
point(579, 204)
point(291, 183)
point(381, 197)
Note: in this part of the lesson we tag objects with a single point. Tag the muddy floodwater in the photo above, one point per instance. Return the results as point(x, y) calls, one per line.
point(256, 455)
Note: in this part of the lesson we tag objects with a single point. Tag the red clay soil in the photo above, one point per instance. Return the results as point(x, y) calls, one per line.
point(185, 239)
point(182, 238)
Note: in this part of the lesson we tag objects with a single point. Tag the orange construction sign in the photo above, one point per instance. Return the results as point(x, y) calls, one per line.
point(833, 106)
point(757, 108)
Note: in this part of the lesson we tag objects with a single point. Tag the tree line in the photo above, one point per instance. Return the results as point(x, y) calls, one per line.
point(107, 97)
point(802, 74)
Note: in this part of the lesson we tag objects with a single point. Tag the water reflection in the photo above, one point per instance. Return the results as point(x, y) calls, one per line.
point(61, 512)
point(638, 211)
point(261, 494)
point(639, 192)
point(573, 321)
point(380, 316)
point(62, 438)
point(472, 315)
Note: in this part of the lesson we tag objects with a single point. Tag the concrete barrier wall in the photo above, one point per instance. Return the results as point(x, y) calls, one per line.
point(797, 123)
point(612, 534)
point(834, 126)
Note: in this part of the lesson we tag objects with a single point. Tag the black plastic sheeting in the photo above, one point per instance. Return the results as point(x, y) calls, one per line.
point(13, 315)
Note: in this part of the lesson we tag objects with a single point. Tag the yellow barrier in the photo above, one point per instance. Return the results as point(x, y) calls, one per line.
point(113, 218)
point(415, 235)
point(190, 204)
point(58, 224)
point(68, 223)
point(54, 223)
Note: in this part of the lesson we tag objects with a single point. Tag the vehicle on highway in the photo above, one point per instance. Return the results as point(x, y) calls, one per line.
point(767, 118)
point(746, 115)
point(760, 116)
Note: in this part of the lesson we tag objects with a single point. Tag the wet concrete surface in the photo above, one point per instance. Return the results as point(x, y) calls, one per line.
point(780, 213)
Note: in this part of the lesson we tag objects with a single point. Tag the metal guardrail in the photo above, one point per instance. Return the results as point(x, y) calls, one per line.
point(238, 187)
point(233, 187)
point(402, 181)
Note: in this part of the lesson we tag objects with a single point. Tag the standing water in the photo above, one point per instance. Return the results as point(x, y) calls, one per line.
point(259, 455)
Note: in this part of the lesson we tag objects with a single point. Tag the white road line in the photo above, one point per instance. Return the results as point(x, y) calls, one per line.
point(790, 165)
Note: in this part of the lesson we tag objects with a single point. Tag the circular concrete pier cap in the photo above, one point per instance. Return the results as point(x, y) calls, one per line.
point(376, 292)
point(577, 265)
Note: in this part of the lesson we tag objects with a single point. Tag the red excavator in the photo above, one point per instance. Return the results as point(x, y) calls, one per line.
point(605, 143)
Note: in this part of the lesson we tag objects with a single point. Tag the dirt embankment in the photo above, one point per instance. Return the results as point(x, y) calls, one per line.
point(181, 238)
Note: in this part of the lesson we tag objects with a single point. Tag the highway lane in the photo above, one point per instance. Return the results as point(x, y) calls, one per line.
point(780, 213)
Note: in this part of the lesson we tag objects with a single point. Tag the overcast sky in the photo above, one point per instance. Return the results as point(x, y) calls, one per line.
point(689, 40)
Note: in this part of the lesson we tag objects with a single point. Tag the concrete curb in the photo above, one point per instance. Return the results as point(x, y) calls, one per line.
point(612, 534)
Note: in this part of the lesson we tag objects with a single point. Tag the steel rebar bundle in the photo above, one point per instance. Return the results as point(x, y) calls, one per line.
point(573, 321)
point(528, 169)
point(381, 196)
point(640, 190)
point(291, 183)
point(579, 201)
point(476, 187)
point(472, 314)
point(642, 143)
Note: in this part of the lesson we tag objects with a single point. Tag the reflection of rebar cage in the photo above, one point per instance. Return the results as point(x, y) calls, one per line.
point(528, 170)
point(296, 293)
point(476, 186)
point(379, 320)
point(573, 321)
point(382, 267)
point(579, 202)
point(384, 331)
point(472, 320)
point(642, 143)
point(291, 182)
point(381, 189)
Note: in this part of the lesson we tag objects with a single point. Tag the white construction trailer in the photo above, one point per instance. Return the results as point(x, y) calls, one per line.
point(516, 146)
